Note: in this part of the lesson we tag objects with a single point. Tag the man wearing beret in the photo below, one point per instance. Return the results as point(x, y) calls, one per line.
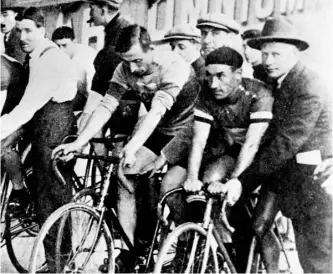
point(231, 116)
point(298, 139)
point(217, 30)
point(185, 40)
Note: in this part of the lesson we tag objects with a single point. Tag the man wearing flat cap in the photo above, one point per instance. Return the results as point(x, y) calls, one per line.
point(217, 30)
point(185, 40)
point(299, 139)
point(11, 37)
point(104, 13)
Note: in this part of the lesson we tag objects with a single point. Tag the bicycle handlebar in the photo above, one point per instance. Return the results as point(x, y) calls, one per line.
point(109, 159)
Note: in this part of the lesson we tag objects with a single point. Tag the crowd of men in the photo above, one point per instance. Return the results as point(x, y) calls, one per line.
point(189, 107)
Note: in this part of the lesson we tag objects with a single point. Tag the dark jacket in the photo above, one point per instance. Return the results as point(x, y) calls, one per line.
point(302, 122)
point(107, 59)
point(13, 48)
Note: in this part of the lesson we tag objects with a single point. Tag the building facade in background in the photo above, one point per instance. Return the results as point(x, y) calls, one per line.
point(161, 15)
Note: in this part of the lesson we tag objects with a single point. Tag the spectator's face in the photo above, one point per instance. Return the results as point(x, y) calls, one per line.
point(96, 14)
point(138, 61)
point(30, 35)
point(278, 58)
point(7, 20)
point(185, 48)
point(66, 45)
point(222, 80)
point(253, 56)
point(213, 38)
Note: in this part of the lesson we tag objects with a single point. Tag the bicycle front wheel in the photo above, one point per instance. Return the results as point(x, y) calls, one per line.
point(74, 239)
point(188, 250)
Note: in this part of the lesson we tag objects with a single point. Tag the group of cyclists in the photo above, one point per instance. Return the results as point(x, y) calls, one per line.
point(189, 107)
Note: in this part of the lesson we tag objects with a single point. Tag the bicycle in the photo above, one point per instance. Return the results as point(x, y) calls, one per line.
point(25, 226)
point(199, 247)
point(94, 228)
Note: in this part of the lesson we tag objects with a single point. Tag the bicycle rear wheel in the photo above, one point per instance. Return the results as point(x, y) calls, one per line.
point(76, 241)
point(187, 250)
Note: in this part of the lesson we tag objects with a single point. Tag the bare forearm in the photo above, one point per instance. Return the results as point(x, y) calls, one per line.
point(245, 159)
point(145, 127)
point(194, 161)
point(250, 148)
point(96, 121)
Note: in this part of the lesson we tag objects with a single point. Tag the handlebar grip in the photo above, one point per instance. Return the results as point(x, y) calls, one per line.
point(56, 170)
point(224, 217)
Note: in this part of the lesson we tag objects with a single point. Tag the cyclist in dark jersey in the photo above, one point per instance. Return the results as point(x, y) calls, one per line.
point(231, 117)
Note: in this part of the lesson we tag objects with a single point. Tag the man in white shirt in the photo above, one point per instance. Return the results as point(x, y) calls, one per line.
point(83, 58)
point(47, 106)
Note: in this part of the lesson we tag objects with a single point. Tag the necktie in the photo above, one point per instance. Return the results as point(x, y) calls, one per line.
point(5, 41)
point(26, 67)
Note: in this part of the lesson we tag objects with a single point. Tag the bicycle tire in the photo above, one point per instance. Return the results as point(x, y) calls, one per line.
point(21, 231)
point(4, 202)
point(192, 264)
point(64, 212)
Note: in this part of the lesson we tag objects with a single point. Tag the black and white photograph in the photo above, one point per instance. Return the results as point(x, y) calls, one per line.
point(166, 136)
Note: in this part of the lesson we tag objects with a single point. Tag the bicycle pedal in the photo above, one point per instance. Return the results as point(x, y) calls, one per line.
point(104, 268)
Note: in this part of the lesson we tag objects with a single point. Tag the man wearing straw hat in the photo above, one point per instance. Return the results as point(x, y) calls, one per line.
point(298, 139)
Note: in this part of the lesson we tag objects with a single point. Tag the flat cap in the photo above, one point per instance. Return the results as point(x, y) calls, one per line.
point(219, 21)
point(182, 32)
point(113, 3)
point(224, 56)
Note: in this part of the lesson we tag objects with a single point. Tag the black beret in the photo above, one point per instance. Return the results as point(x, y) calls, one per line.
point(225, 56)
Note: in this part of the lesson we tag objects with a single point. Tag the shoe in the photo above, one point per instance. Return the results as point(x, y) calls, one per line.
point(125, 262)
point(18, 202)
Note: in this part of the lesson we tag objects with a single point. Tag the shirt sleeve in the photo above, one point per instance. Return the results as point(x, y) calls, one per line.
point(174, 77)
point(261, 108)
point(44, 82)
point(201, 110)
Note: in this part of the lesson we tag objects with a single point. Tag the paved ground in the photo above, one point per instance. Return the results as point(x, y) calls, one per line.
point(316, 28)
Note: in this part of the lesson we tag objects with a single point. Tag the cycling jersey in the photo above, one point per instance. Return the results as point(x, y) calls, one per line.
point(176, 91)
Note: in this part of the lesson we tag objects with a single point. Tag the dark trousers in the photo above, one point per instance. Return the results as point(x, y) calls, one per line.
point(310, 209)
point(48, 127)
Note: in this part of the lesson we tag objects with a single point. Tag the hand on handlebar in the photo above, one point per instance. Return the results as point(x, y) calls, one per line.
point(65, 152)
point(153, 167)
point(192, 185)
point(217, 188)
point(233, 190)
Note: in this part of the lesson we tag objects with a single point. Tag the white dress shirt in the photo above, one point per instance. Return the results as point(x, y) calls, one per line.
point(52, 77)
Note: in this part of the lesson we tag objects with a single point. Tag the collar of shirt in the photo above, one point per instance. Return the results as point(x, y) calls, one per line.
point(45, 43)
point(6, 36)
